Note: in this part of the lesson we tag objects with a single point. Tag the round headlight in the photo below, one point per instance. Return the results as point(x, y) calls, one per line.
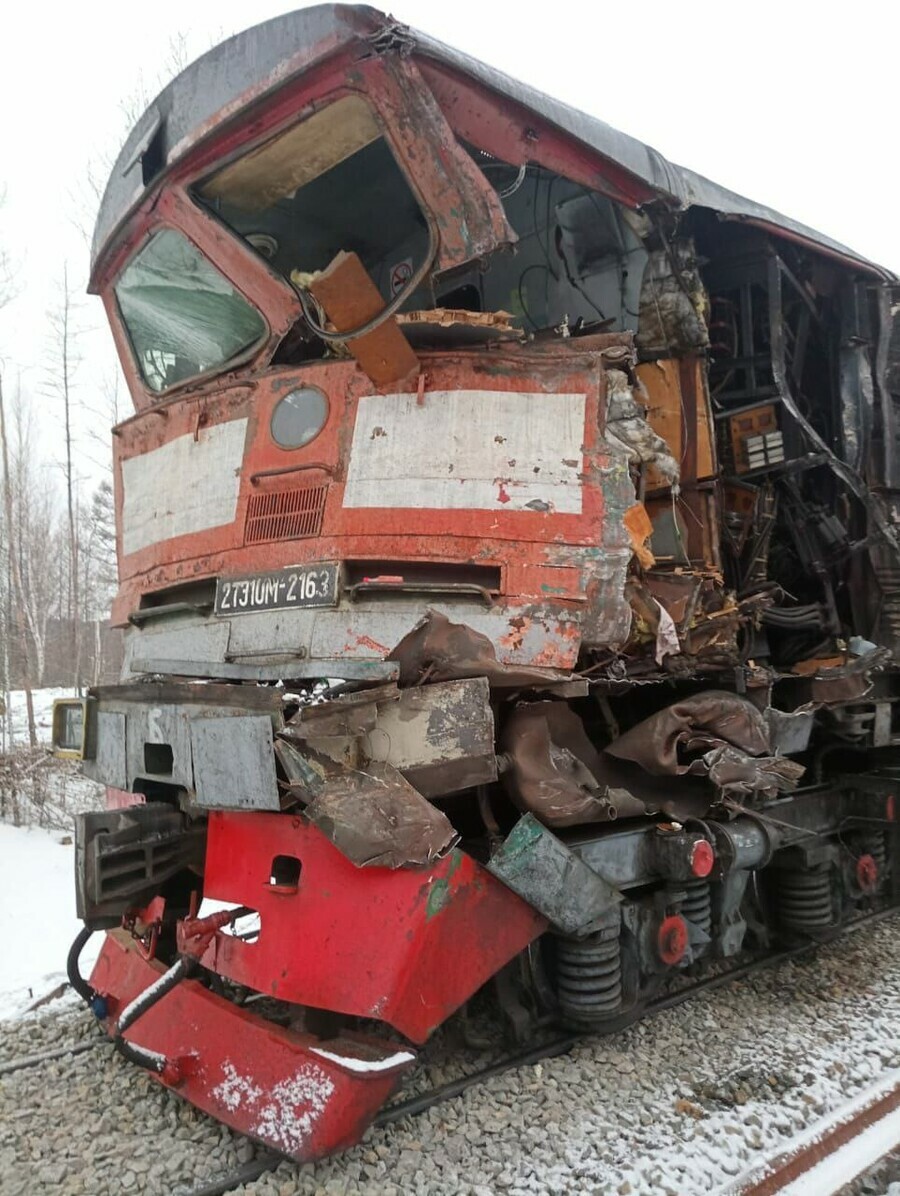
point(299, 417)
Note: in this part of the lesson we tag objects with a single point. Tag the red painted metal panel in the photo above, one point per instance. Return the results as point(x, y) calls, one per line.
point(407, 946)
point(262, 1080)
point(529, 542)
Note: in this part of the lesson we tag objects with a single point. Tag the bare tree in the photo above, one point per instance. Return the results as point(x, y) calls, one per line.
point(35, 537)
point(16, 573)
point(60, 382)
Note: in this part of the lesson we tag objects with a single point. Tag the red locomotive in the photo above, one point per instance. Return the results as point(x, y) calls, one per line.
point(507, 536)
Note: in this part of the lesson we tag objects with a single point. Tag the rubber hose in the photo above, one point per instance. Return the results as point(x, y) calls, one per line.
point(142, 1056)
point(76, 979)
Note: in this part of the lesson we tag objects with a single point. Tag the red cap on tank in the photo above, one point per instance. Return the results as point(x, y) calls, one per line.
point(702, 858)
point(672, 939)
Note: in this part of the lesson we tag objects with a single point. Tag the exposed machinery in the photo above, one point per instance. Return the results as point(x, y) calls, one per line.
point(508, 555)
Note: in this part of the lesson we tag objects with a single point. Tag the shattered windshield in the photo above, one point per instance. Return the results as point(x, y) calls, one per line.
point(183, 317)
point(325, 185)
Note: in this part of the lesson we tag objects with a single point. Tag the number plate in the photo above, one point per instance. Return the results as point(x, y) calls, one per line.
point(282, 589)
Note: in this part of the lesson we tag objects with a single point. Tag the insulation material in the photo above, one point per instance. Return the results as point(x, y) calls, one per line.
point(444, 317)
point(673, 305)
point(667, 643)
point(281, 166)
point(377, 819)
point(628, 430)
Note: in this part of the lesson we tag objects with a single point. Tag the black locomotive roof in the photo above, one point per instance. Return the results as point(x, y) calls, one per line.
point(258, 61)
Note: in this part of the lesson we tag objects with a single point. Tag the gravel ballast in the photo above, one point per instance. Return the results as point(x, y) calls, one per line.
point(683, 1102)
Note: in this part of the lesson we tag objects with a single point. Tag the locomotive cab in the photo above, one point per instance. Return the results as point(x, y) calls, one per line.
point(507, 557)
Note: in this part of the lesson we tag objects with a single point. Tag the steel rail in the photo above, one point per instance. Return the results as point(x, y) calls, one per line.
point(415, 1106)
point(867, 1125)
point(74, 1048)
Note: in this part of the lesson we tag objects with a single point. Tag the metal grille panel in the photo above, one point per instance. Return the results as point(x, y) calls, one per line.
point(286, 515)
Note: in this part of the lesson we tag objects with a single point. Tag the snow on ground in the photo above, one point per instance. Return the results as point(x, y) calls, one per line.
point(42, 700)
point(37, 912)
point(37, 891)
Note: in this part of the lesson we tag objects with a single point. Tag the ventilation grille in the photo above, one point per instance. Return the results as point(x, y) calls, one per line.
point(287, 515)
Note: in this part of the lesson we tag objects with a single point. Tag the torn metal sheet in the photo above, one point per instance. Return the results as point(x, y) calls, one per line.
point(848, 682)
point(377, 819)
point(640, 529)
point(440, 736)
point(539, 867)
point(351, 300)
point(789, 732)
point(305, 774)
point(733, 771)
point(699, 723)
point(717, 735)
point(438, 650)
point(555, 772)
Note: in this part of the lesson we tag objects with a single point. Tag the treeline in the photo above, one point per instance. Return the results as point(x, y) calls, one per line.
point(57, 545)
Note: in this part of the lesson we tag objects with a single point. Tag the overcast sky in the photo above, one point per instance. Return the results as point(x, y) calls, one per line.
point(792, 104)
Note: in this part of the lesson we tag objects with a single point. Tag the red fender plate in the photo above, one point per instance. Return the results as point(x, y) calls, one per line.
point(406, 946)
point(300, 1095)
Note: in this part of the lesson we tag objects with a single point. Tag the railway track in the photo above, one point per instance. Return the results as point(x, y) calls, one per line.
point(826, 1137)
point(416, 1106)
point(835, 1150)
point(35, 1060)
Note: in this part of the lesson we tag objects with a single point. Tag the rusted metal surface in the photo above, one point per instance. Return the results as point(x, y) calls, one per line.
point(556, 773)
point(549, 593)
point(350, 299)
point(598, 533)
point(865, 1130)
point(440, 736)
point(377, 819)
point(440, 650)
point(715, 734)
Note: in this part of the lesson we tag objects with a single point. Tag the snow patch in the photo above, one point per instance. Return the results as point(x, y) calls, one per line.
point(290, 1112)
point(37, 912)
point(287, 1114)
point(235, 1090)
point(364, 1065)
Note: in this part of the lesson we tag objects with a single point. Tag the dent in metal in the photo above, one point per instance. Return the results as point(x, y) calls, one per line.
point(539, 867)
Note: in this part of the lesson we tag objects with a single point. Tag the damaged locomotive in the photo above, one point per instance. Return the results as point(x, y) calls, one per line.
point(508, 558)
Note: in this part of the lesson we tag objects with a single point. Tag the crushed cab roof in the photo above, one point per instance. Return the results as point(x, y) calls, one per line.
point(257, 62)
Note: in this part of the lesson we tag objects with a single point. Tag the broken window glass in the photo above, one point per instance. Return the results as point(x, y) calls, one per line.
point(578, 262)
point(327, 184)
point(183, 317)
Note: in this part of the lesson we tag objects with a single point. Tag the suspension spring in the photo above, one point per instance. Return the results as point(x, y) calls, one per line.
point(804, 898)
point(697, 905)
point(589, 976)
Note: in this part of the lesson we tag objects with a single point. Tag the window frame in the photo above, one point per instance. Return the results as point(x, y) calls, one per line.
point(224, 367)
